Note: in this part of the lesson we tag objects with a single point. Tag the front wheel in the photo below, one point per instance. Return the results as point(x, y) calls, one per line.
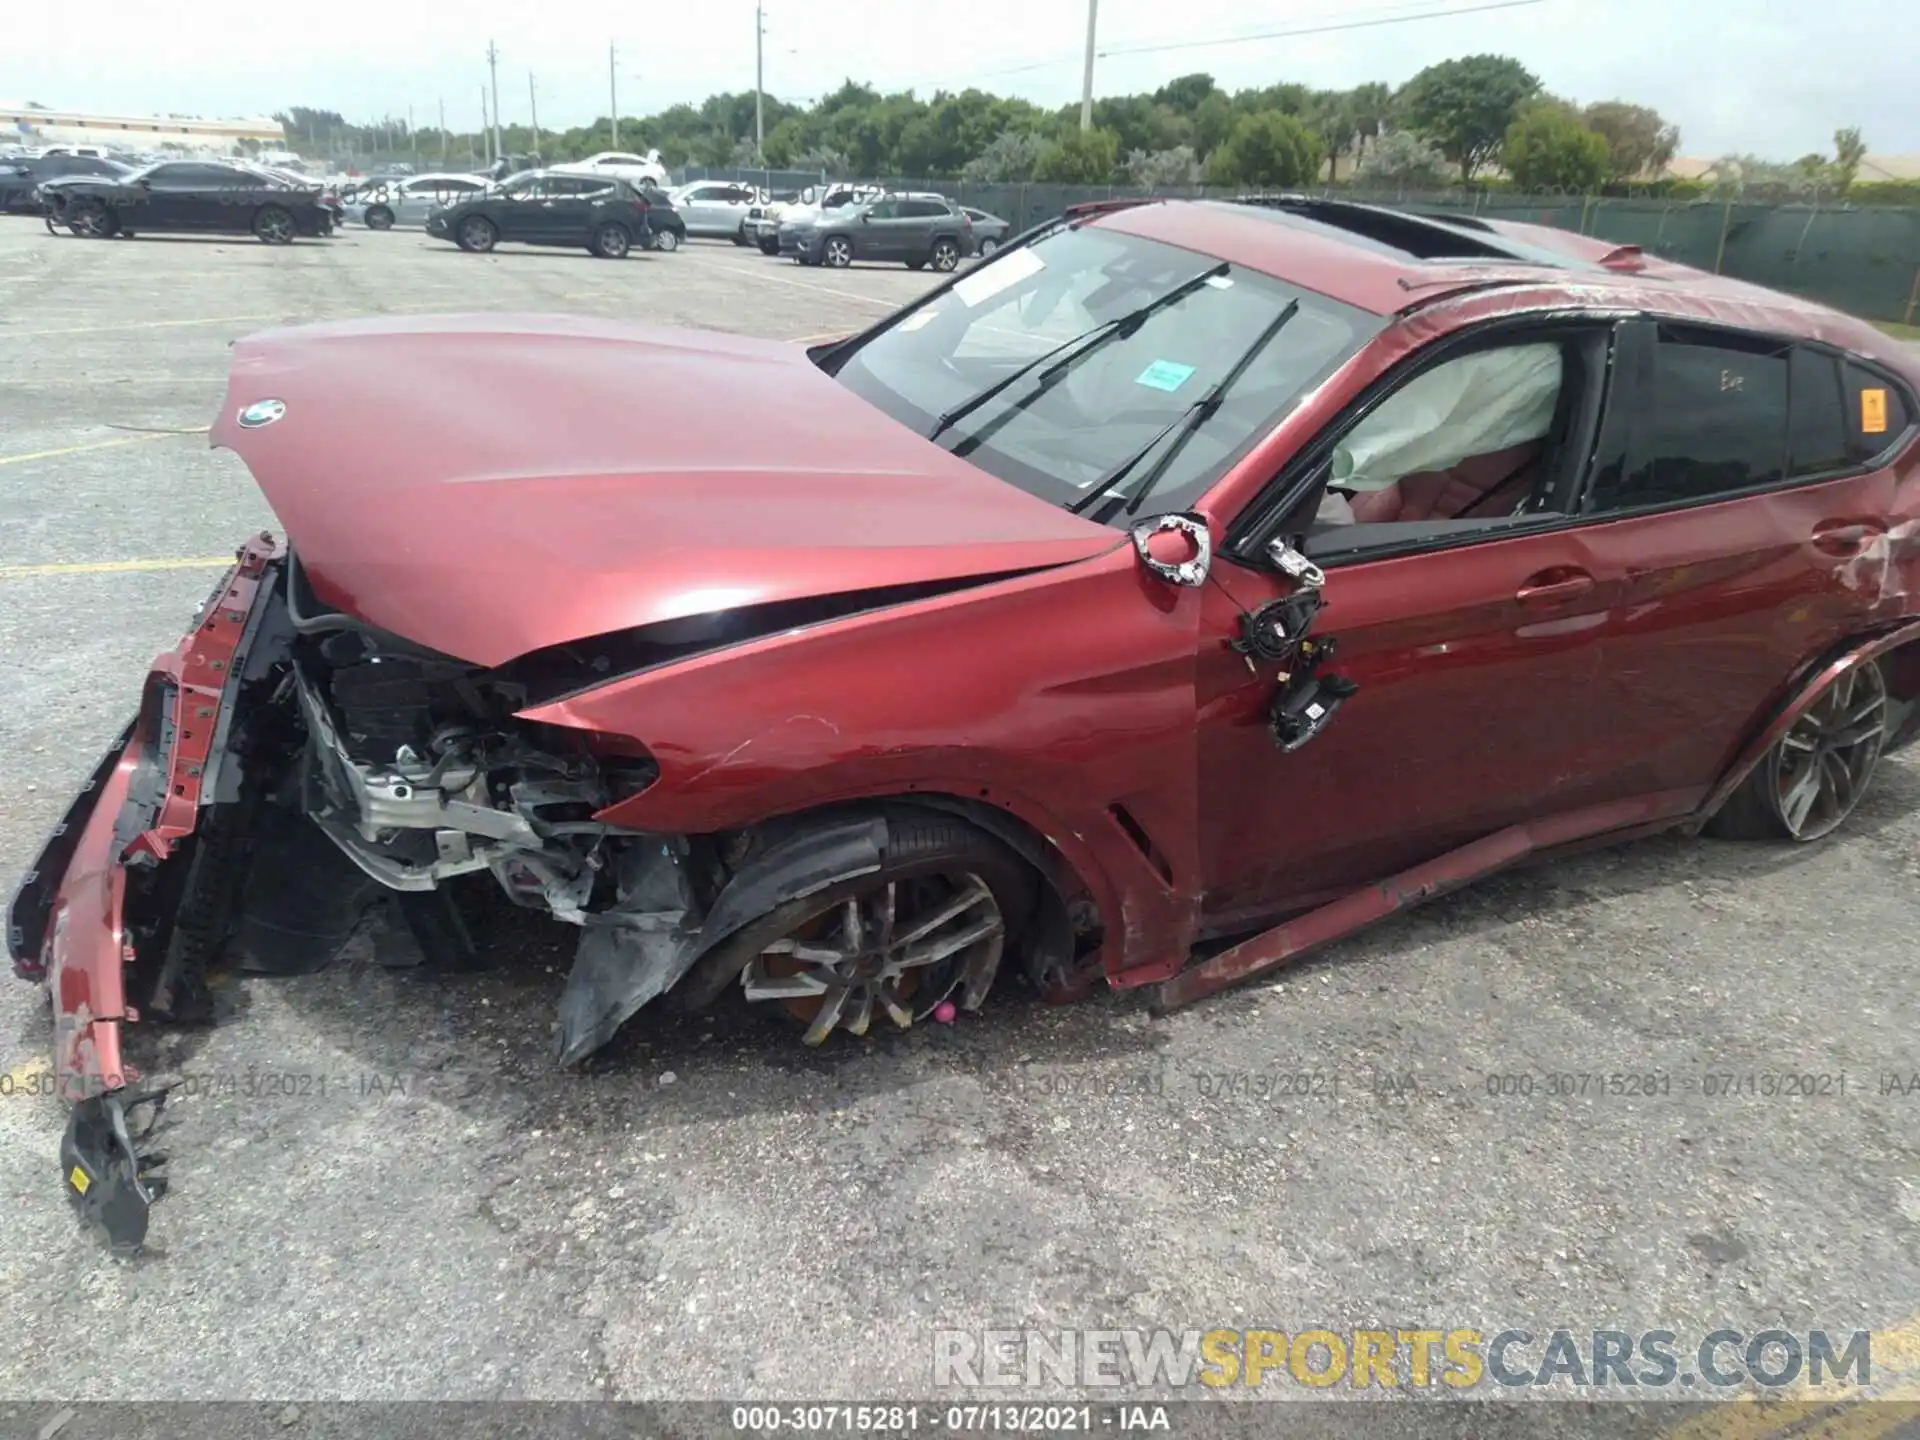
point(925, 931)
point(273, 225)
point(611, 242)
point(379, 217)
point(90, 219)
point(838, 252)
point(477, 234)
point(667, 240)
point(740, 235)
point(769, 247)
point(1815, 774)
point(988, 246)
point(946, 254)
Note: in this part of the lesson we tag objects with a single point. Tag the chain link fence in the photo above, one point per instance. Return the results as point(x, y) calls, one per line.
point(1864, 260)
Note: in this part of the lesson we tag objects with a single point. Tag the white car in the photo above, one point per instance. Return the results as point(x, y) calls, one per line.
point(644, 171)
point(406, 199)
point(718, 208)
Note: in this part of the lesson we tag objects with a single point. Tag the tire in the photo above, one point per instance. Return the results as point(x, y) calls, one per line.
point(946, 254)
point(90, 219)
point(769, 247)
point(988, 246)
point(1813, 778)
point(740, 235)
point(477, 235)
point(667, 240)
point(273, 225)
point(916, 264)
point(379, 217)
point(837, 252)
point(611, 242)
point(921, 848)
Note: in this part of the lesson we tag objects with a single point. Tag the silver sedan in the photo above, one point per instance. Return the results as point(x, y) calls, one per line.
point(405, 200)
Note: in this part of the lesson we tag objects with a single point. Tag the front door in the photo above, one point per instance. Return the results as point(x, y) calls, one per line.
point(1464, 605)
point(522, 217)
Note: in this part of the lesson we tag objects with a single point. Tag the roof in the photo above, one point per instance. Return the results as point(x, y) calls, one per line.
point(1391, 261)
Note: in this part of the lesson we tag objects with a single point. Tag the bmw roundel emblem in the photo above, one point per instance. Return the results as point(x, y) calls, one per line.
point(262, 412)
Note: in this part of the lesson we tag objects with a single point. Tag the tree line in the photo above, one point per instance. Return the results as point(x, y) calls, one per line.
point(1455, 122)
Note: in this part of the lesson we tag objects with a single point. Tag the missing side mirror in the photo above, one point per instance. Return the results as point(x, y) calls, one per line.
point(1177, 548)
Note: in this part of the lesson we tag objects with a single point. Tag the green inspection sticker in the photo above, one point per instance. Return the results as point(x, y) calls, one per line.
point(1165, 375)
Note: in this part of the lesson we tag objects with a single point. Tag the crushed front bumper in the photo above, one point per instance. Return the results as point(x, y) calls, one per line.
point(67, 924)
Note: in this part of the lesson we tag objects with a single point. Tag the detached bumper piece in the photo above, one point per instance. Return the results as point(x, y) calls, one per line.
point(111, 1173)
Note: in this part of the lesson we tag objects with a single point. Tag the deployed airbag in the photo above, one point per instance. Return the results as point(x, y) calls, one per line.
point(1475, 405)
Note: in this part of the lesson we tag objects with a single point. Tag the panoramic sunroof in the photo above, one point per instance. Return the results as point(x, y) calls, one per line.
point(1416, 237)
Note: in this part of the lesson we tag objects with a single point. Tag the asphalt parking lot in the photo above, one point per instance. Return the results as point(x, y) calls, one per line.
point(713, 1212)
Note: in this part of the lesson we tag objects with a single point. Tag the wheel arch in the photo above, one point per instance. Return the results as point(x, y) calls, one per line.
point(1900, 639)
point(1071, 902)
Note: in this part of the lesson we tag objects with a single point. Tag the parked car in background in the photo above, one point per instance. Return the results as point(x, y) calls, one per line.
point(910, 228)
point(666, 227)
point(20, 175)
point(190, 197)
point(989, 231)
point(408, 202)
point(809, 199)
point(718, 208)
point(601, 215)
point(641, 171)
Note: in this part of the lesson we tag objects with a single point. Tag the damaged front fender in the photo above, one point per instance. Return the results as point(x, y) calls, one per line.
point(647, 943)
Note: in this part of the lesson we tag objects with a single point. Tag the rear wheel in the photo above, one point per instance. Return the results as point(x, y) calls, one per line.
point(740, 235)
point(769, 245)
point(988, 246)
point(927, 929)
point(477, 234)
point(379, 217)
point(838, 252)
point(946, 253)
point(273, 225)
point(1815, 774)
point(668, 240)
point(611, 241)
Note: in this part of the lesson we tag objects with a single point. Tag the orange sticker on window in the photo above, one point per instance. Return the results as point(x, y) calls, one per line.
point(1873, 412)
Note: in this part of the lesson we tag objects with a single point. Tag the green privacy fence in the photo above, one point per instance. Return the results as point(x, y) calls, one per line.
point(1865, 260)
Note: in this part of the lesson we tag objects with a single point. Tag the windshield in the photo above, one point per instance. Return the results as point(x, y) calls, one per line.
point(1056, 430)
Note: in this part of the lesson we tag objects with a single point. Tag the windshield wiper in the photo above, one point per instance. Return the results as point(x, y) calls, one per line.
point(1082, 345)
point(1187, 422)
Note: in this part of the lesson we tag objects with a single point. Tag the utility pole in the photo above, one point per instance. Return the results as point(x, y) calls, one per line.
point(443, 133)
point(759, 79)
point(486, 135)
point(493, 64)
point(1086, 83)
point(613, 91)
point(533, 104)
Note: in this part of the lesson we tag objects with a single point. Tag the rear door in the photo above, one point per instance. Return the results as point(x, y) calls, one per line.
point(697, 205)
point(1753, 509)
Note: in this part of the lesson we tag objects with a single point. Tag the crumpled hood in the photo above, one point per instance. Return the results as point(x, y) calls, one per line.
point(489, 485)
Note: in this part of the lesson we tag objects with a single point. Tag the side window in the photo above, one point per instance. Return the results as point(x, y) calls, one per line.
point(1475, 439)
point(1816, 419)
point(922, 209)
point(1877, 414)
point(1712, 421)
point(883, 210)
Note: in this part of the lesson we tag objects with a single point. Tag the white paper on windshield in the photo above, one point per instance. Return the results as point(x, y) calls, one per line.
point(1008, 268)
point(917, 319)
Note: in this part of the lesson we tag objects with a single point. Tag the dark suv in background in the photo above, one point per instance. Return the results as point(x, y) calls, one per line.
point(912, 229)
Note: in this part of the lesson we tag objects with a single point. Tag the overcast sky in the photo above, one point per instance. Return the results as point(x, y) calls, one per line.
point(1735, 75)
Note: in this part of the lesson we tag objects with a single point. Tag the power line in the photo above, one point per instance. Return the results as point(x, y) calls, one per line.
point(1155, 49)
point(1389, 15)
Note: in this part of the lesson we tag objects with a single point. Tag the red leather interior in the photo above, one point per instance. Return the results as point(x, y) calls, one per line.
point(1479, 485)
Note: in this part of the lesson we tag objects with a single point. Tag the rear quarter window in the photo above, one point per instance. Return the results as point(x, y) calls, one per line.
point(1878, 414)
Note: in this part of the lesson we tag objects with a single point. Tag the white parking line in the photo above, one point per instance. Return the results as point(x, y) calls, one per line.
point(810, 288)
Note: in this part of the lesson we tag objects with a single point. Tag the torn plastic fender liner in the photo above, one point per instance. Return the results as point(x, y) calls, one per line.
point(646, 945)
